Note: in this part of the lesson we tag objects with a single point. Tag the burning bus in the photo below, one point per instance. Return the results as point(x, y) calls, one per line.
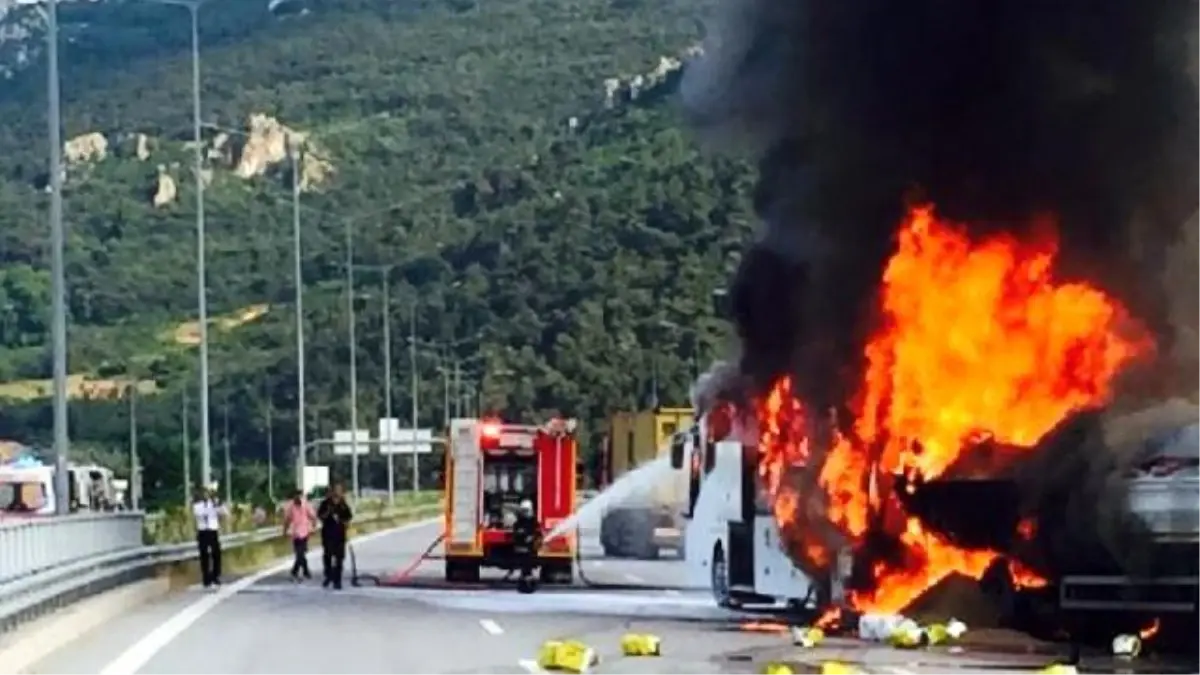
point(973, 453)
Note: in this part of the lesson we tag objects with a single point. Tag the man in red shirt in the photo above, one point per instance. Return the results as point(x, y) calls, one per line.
point(299, 519)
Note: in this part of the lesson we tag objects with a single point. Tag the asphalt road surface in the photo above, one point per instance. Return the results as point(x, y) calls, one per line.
point(267, 624)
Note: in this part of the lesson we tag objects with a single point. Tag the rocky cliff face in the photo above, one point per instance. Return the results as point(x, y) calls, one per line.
point(267, 145)
point(619, 90)
point(261, 150)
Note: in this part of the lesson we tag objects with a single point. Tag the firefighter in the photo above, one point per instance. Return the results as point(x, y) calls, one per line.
point(527, 539)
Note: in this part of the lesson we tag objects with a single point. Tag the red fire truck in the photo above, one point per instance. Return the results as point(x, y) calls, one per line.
point(491, 467)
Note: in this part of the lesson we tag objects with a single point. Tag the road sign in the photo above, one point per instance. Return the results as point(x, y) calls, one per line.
point(395, 440)
point(315, 477)
point(344, 441)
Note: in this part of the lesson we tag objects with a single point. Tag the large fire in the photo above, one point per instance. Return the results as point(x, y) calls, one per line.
point(977, 341)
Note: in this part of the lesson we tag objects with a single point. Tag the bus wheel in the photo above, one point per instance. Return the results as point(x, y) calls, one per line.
point(720, 580)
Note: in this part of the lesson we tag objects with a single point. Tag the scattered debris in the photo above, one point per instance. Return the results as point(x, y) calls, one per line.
point(571, 656)
point(641, 644)
point(807, 637)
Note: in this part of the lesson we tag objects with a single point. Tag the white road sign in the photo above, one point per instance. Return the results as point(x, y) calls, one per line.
point(344, 441)
point(395, 440)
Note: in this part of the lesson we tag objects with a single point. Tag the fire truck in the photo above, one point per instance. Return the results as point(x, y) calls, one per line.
point(491, 467)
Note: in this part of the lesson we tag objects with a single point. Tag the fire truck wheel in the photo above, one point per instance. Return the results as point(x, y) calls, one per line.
point(462, 570)
point(557, 573)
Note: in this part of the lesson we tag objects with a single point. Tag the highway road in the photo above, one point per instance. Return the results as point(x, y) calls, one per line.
point(267, 624)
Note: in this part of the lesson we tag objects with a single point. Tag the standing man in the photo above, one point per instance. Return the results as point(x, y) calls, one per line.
point(298, 522)
point(207, 512)
point(335, 516)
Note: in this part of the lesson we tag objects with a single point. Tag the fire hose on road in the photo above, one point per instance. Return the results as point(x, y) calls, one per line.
point(403, 577)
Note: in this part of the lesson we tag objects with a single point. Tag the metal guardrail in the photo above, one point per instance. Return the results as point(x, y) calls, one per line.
point(45, 589)
point(29, 546)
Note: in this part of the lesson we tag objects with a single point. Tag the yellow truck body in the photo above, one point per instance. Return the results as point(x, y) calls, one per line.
point(641, 528)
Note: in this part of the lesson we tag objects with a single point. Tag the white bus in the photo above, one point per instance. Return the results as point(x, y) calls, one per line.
point(731, 540)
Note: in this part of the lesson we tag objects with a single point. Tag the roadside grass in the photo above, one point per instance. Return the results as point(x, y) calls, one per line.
point(175, 525)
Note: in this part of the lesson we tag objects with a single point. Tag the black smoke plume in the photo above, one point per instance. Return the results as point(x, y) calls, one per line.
point(996, 111)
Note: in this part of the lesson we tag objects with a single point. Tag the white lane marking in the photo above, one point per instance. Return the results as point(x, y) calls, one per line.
point(529, 665)
point(139, 654)
point(634, 578)
point(491, 627)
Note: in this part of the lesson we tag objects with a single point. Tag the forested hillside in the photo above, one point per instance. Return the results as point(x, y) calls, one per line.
point(559, 240)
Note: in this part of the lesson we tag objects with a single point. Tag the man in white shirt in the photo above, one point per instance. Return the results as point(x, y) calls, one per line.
point(207, 512)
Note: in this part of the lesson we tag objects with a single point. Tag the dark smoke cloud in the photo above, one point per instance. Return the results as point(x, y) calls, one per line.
point(995, 110)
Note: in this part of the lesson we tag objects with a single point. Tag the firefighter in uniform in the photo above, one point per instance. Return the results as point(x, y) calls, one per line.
point(527, 539)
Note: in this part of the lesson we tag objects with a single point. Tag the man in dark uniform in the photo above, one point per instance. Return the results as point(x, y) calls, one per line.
point(527, 539)
point(335, 516)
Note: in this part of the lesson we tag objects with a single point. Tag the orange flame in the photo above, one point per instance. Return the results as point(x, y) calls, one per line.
point(1149, 631)
point(978, 341)
point(764, 627)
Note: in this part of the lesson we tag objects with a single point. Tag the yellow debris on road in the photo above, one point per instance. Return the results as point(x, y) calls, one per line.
point(570, 656)
point(641, 644)
point(804, 636)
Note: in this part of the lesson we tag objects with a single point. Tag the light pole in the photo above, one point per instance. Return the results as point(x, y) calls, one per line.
point(387, 382)
point(187, 451)
point(414, 382)
point(387, 371)
point(58, 285)
point(298, 273)
point(135, 469)
point(353, 359)
point(193, 7)
point(293, 153)
point(228, 473)
point(270, 456)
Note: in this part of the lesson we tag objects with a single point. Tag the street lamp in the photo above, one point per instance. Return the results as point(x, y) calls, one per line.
point(58, 285)
point(293, 154)
point(386, 270)
point(298, 273)
point(193, 7)
point(353, 357)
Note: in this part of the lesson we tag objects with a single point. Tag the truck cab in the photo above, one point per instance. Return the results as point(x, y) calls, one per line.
point(491, 467)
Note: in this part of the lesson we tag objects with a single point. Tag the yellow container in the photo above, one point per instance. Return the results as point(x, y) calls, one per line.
point(806, 637)
point(571, 656)
point(641, 644)
point(838, 668)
